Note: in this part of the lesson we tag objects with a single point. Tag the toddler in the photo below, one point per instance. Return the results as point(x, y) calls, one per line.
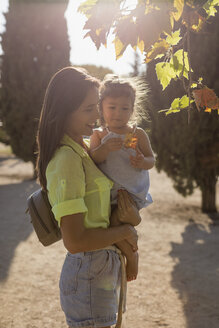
point(123, 152)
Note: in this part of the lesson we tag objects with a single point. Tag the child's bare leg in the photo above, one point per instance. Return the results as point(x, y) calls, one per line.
point(131, 259)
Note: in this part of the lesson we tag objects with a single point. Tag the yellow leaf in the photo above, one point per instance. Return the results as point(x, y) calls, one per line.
point(193, 20)
point(165, 73)
point(176, 63)
point(98, 31)
point(172, 22)
point(174, 38)
point(119, 47)
point(208, 110)
point(179, 6)
point(158, 48)
point(86, 7)
point(140, 45)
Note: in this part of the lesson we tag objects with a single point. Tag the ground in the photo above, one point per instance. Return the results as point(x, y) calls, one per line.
point(178, 281)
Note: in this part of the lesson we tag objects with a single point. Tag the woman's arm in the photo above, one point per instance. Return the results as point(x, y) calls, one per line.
point(77, 238)
point(98, 151)
point(144, 158)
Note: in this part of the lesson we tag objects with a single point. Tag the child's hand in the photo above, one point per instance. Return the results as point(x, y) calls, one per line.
point(113, 144)
point(137, 161)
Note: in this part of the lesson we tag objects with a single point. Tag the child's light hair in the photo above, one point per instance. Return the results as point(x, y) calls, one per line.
point(133, 87)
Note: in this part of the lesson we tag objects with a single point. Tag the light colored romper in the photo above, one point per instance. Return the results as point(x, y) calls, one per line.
point(118, 168)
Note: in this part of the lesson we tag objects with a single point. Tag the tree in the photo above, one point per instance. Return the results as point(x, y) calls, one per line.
point(98, 71)
point(160, 29)
point(163, 30)
point(35, 45)
point(189, 153)
point(136, 65)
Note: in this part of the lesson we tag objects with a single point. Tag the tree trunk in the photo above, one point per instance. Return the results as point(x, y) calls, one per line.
point(208, 190)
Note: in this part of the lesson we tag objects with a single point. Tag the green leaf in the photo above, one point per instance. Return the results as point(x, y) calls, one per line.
point(176, 63)
point(171, 111)
point(177, 105)
point(200, 80)
point(159, 48)
point(180, 103)
point(165, 73)
point(209, 7)
point(174, 38)
point(163, 110)
point(159, 56)
point(184, 101)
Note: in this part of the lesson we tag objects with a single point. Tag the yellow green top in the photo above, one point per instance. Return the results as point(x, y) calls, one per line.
point(76, 185)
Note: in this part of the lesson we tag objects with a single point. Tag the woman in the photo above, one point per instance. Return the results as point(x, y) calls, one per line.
point(79, 194)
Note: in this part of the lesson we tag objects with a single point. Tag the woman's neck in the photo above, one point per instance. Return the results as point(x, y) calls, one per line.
point(78, 139)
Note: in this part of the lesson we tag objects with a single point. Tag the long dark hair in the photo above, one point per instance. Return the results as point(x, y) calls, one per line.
point(65, 92)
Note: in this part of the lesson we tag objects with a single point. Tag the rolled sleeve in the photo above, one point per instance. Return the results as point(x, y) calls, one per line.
point(69, 207)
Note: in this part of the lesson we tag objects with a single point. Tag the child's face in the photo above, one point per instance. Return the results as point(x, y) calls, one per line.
point(117, 111)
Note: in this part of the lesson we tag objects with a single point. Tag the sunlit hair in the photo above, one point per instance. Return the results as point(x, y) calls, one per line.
point(133, 87)
point(65, 93)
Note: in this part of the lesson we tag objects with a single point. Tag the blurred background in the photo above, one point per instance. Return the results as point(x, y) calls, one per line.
point(178, 237)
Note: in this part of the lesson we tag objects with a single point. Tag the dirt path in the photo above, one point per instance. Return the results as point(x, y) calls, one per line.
point(178, 282)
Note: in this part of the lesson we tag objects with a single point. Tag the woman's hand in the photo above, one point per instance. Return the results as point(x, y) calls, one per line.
point(127, 210)
point(77, 238)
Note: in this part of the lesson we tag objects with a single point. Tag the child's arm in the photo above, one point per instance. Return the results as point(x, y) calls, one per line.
point(144, 158)
point(98, 151)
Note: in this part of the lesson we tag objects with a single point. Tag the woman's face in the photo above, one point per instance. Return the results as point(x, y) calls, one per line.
point(82, 121)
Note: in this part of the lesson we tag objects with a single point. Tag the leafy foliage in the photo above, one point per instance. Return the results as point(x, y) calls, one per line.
point(35, 46)
point(160, 29)
point(189, 153)
point(177, 105)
